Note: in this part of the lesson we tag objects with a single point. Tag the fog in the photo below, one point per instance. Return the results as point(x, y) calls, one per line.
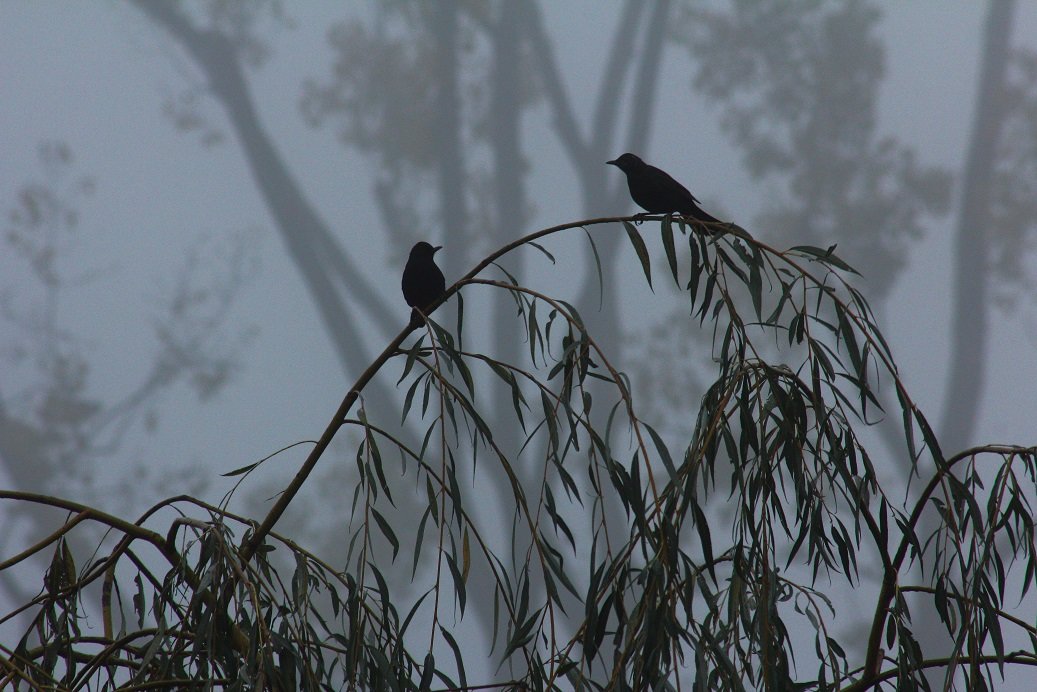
point(201, 346)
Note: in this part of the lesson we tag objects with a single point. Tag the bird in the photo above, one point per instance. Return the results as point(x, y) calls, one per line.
point(423, 282)
point(655, 191)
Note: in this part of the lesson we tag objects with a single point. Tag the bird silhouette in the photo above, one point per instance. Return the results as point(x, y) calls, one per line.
point(423, 282)
point(655, 191)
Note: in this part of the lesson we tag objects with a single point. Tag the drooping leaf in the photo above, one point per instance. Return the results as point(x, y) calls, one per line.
point(641, 249)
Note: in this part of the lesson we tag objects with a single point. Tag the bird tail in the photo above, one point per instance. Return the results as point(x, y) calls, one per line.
point(697, 214)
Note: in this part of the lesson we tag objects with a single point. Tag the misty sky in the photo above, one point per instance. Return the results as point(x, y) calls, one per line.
point(100, 77)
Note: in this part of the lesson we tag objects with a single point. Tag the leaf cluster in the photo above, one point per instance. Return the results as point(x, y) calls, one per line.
point(630, 562)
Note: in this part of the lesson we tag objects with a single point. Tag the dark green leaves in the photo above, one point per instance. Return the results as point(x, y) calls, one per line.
point(641, 249)
point(585, 546)
point(827, 256)
point(669, 247)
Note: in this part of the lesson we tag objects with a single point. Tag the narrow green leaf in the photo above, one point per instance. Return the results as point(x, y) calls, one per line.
point(458, 658)
point(707, 296)
point(731, 264)
point(542, 249)
point(668, 245)
point(696, 269)
point(702, 526)
point(387, 531)
point(383, 588)
point(459, 583)
point(240, 470)
point(825, 256)
point(413, 610)
point(597, 267)
point(533, 332)
point(642, 251)
point(300, 581)
point(460, 319)
point(930, 438)
point(523, 634)
point(756, 282)
point(428, 668)
point(664, 453)
point(418, 542)
point(466, 555)
point(408, 400)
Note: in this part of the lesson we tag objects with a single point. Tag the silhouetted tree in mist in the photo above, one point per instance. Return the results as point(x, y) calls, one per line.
point(656, 596)
point(797, 85)
point(56, 430)
point(434, 96)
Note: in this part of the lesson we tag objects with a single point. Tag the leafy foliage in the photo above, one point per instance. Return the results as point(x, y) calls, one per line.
point(710, 564)
point(797, 86)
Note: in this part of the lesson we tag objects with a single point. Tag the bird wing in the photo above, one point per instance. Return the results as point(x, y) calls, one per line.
point(664, 181)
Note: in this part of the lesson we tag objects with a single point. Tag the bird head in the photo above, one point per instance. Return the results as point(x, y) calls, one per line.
point(423, 249)
point(627, 162)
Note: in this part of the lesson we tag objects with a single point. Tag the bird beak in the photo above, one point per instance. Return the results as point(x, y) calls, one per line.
point(437, 249)
point(612, 163)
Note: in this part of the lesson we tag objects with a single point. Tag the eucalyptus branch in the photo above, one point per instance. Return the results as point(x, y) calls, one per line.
point(868, 682)
point(782, 430)
point(889, 586)
point(255, 539)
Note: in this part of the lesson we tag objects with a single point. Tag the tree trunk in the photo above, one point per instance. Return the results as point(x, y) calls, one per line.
point(969, 294)
point(321, 261)
point(971, 246)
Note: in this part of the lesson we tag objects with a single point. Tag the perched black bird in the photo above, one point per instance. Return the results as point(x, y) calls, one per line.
point(423, 282)
point(656, 192)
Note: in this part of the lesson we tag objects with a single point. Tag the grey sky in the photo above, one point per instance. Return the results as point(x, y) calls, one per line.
point(96, 75)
